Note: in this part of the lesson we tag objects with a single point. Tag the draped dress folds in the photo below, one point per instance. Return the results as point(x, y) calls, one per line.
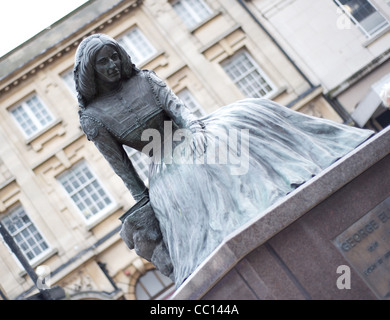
point(253, 153)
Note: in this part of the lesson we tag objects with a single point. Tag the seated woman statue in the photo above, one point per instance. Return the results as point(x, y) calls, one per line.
point(207, 176)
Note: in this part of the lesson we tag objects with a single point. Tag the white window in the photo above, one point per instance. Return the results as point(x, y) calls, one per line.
point(137, 46)
point(192, 12)
point(191, 103)
point(153, 285)
point(86, 191)
point(32, 116)
point(67, 77)
point(364, 14)
point(140, 162)
point(248, 76)
point(26, 235)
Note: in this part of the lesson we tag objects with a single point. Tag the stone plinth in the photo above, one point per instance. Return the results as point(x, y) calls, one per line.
point(294, 249)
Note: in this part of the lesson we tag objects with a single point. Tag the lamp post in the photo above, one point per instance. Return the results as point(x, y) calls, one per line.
point(54, 293)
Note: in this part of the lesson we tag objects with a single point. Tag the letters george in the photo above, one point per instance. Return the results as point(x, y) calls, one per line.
point(357, 237)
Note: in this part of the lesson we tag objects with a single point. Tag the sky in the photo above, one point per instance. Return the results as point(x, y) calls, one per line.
point(20, 20)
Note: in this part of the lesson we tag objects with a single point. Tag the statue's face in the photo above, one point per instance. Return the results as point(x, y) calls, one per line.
point(108, 65)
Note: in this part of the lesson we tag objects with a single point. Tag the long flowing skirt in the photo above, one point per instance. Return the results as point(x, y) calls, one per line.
point(257, 152)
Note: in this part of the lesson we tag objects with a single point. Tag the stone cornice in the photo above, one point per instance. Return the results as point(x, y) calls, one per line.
point(67, 45)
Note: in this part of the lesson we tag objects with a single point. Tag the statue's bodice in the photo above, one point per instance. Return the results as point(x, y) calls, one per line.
point(127, 112)
point(124, 116)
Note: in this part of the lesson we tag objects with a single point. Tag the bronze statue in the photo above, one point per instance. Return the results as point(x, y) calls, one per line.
point(207, 176)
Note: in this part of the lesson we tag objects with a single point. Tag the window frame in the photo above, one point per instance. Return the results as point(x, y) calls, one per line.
point(137, 57)
point(368, 33)
point(167, 286)
point(15, 210)
point(136, 157)
point(255, 68)
point(191, 11)
point(67, 78)
point(32, 117)
point(94, 217)
point(190, 102)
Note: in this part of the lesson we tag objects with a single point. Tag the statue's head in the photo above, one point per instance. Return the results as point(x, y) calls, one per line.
point(89, 66)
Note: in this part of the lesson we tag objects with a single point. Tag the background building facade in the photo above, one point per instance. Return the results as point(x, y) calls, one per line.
point(343, 45)
point(59, 199)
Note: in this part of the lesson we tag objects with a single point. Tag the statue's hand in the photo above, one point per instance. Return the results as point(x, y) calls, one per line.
point(199, 144)
point(199, 139)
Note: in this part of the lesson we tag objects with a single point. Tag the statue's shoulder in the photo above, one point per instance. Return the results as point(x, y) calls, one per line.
point(89, 124)
point(152, 76)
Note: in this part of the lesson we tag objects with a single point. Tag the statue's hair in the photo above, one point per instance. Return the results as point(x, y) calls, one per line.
point(84, 71)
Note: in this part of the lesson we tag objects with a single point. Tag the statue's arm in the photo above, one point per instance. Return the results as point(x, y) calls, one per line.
point(173, 106)
point(180, 114)
point(116, 156)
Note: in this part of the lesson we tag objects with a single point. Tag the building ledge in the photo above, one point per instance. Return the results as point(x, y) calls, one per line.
point(347, 83)
point(60, 39)
point(379, 35)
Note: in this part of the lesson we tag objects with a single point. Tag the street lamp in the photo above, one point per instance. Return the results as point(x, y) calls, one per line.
point(45, 293)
